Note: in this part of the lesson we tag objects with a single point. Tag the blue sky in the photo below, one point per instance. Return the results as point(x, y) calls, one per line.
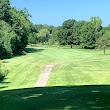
point(54, 12)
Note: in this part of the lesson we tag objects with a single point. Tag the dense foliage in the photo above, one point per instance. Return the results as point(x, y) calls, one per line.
point(3, 72)
point(72, 32)
point(14, 29)
point(81, 33)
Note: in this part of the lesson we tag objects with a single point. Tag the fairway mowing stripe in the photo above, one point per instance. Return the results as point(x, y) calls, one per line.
point(83, 61)
point(44, 76)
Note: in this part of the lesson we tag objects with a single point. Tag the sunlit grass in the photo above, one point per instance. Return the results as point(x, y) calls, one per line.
point(82, 73)
point(72, 67)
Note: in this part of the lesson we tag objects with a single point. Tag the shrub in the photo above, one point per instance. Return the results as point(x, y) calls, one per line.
point(6, 37)
point(3, 72)
point(24, 53)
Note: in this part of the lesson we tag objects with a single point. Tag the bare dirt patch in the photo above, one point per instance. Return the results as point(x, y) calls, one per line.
point(44, 76)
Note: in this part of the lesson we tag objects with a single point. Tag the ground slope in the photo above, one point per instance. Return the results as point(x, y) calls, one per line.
point(72, 67)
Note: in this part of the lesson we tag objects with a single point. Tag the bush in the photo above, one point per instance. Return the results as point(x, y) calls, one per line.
point(6, 37)
point(24, 53)
point(3, 72)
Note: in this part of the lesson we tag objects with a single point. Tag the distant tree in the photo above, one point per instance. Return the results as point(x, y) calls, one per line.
point(50, 29)
point(38, 27)
point(87, 38)
point(62, 36)
point(54, 35)
point(43, 36)
point(103, 42)
point(90, 32)
point(32, 38)
point(70, 34)
point(77, 32)
point(68, 23)
point(97, 22)
point(65, 33)
point(109, 26)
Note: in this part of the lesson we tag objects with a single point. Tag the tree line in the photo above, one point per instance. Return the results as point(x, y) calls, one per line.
point(86, 34)
point(17, 31)
point(14, 29)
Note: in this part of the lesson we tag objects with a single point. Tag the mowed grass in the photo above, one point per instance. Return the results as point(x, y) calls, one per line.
point(87, 67)
point(57, 98)
point(72, 67)
point(93, 72)
point(79, 80)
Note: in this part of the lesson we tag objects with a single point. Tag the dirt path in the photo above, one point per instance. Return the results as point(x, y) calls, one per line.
point(44, 76)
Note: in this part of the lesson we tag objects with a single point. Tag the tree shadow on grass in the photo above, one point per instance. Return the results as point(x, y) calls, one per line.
point(107, 54)
point(3, 84)
point(57, 98)
point(29, 50)
point(2, 87)
point(33, 50)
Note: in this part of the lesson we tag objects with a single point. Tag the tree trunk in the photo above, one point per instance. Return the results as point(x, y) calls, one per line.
point(71, 46)
point(104, 50)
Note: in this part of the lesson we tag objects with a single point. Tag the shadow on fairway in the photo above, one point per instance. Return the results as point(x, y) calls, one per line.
point(57, 98)
point(33, 50)
point(3, 82)
point(2, 87)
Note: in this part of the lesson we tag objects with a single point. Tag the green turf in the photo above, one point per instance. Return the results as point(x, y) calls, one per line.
point(81, 73)
point(74, 70)
point(72, 67)
point(57, 98)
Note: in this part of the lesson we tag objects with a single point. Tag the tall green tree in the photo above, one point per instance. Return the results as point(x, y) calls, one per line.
point(62, 36)
point(90, 32)
point(5, 10)
point(20, 23)
point(76, 32)
point(69, 23)
point(87, 38)
point(65, 33)
point(7, 36)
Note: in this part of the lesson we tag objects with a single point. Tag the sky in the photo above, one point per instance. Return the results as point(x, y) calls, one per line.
point(55, 12)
